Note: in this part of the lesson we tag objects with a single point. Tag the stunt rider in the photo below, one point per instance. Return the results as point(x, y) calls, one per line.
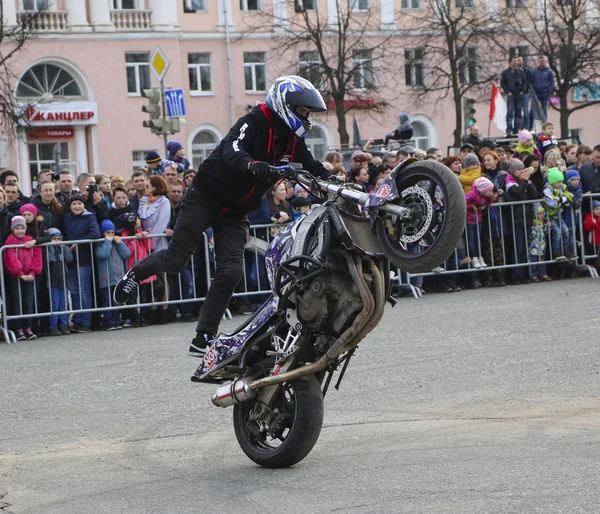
point(228, 185)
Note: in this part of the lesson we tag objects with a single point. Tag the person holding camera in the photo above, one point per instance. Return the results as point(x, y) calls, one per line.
point(514, 84)
point(94, 199)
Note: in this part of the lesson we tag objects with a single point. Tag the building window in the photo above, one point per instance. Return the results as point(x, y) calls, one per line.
point(191, 6)
point(199, 72)
point(317, 143)
point(520, 51)
point(44, 155)
point(358, 5)
point(36, 5)
point(305, 5)
point(47, 81)
point(255, 72)
point(203, 144)
point(465, 4)
point(139, 158)
point(576, 135)
point(413, 66)
point(124, 4)
point(421, 135)
point(310, 68)
point(138, 72)
point(515, 4)
point(467, 66)
point(411, 4)
point(364, 76)
point(251, 5)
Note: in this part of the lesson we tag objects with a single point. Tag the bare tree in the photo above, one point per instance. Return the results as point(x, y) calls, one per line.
point(567, 32)
point(13, 38)
point(338, 54)
point(452, 57)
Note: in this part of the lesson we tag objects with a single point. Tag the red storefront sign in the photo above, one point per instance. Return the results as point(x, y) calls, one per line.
point(59, 114)
point(32, 114)
point(50, 133)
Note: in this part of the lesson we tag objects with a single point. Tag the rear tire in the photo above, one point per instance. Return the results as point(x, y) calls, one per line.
point(441, 226)
point(300, 409)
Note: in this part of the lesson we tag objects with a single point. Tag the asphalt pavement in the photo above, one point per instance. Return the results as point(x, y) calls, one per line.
point(484, 401)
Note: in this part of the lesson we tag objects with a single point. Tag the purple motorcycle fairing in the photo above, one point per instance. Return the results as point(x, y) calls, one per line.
point(227, 346)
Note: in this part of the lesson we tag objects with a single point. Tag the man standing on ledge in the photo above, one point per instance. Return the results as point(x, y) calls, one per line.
point(228, 185)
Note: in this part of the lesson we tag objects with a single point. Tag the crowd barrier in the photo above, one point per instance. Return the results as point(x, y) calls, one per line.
point(503, 240)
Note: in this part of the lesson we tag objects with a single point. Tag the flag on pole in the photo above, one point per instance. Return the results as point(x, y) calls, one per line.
point(498, 109)
point(357, 141)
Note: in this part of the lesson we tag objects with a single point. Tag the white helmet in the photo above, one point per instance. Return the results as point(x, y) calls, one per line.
point(292, 91)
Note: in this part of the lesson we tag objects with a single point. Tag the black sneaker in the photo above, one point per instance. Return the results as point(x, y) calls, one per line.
point(125, 288)
point(200, 344)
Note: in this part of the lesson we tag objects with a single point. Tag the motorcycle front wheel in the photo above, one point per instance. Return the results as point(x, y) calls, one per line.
point(286, 433)
point(436, 200)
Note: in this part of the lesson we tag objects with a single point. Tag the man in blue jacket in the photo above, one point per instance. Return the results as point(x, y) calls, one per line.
point(229, 184)
point(543, 83)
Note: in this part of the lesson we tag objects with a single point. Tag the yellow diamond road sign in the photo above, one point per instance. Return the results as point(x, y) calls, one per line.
point(159, 63)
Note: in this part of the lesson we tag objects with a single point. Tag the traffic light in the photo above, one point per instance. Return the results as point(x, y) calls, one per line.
point(155, 123)
point(175, 125)
point(469, 112)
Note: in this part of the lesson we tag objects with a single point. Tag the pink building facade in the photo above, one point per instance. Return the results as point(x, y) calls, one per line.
point(80, 81)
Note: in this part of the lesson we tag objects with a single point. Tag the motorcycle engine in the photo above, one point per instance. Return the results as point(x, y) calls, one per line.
point(331, 303)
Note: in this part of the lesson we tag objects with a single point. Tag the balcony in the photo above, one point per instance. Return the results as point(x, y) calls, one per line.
point(131, 19)
point(43, 21)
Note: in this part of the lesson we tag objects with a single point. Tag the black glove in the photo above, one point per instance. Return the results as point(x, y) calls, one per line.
point(261, 170)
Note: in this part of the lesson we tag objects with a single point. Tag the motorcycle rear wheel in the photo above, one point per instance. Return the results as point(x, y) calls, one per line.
point(292, 433)
point(436, 198)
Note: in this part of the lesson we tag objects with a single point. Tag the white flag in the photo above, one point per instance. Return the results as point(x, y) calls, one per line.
point(498, 109)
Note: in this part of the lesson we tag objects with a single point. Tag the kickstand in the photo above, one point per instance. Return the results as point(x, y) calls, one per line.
point(344, 367)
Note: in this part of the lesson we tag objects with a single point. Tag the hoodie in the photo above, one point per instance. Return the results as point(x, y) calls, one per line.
point(404, 130)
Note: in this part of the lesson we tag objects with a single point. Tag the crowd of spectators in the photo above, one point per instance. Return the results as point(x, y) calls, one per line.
point(123, 220)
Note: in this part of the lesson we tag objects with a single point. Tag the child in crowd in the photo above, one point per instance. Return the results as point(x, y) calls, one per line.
point(58, 258)
point(111, 255)
point(301, 206)
point(573, 181)
point(35, 225)
point(526, 145)
point(537, 247)
point(22, 264)
point(80, 224)
point(591, 229)
point(478, 198)
point(471, 171)
point(557, 198)
point(546, 140)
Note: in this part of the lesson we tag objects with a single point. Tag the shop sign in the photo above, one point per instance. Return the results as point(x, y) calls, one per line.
point(54, 113)
point(50, 133)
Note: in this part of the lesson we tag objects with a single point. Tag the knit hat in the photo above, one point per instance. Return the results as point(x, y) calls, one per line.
point(515, 165)
point(173, 147)
point(541, 210)
point(467, 146)
point(524, 136)
point(554, 175)
point(470, 160)
point(403, 117)
point(28, 207)
point(595, 204)
point(54, 232)
point(77, 197)
point(17, 221)
point(483, 185)
point(152, 157)
point(359, 155)
point(570, 175)
point(107, 225)
point(488, 143)
point(300, 201)
point(299, 188)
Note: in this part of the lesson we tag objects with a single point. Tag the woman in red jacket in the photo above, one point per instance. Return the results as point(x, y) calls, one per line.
point(23, 264)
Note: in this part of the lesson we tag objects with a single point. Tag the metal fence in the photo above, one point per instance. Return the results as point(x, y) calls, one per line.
point(503, 240)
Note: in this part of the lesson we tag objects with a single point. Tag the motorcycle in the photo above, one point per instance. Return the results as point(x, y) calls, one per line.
point(329, 273)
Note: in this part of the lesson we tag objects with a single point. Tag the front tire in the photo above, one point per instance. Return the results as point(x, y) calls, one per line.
point(294, 425)
point(437, 200)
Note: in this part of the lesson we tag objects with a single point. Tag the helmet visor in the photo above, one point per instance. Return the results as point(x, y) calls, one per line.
point(310, 98)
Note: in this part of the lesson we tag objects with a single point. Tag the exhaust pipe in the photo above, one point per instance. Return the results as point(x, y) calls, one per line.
point(234, 392)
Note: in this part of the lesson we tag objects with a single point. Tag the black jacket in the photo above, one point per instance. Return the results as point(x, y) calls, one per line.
point(123, 218)
point(590, 177)
point(514, 81)
point(223, 180)
point(50, 219)
point(5, 218)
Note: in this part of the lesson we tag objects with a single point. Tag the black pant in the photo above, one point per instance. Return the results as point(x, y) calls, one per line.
point(230, 235)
